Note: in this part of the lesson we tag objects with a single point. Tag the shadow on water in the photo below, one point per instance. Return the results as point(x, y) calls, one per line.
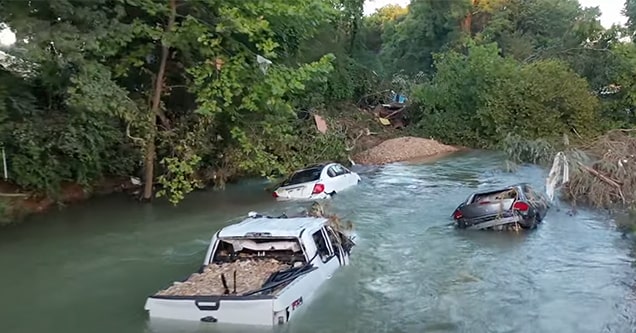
point(90, 267)
point(176, 326)
point(502, 241)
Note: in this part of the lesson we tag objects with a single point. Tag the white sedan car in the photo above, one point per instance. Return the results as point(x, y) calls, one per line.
point(316, 182)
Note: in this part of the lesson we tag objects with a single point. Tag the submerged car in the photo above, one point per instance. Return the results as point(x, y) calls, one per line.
point(513, 207)
point(318, 181)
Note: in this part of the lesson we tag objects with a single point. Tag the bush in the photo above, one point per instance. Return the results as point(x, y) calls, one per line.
point(477, 99)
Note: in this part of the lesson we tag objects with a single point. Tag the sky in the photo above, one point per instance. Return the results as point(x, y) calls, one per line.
point(610, 9)
point(6, 37)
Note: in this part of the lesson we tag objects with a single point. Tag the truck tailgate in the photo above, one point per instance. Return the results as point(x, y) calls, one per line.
point(221, 309)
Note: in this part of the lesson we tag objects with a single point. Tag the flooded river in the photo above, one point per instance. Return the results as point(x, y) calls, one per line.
point(88, 268)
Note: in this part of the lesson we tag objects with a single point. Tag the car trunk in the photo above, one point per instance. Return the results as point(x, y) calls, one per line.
point(302, 190)
point(300, 184)
point(487, 208)
point(490, 203)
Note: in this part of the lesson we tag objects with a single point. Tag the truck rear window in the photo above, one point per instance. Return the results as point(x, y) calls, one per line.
point(284, 250)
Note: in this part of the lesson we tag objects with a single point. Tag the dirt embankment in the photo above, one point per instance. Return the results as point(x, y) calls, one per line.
point(17, 203)
point(402, 149)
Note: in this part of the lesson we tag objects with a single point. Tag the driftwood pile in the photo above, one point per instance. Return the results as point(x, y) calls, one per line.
point(343, 229)
point(318, 210)
point(250, 275)
point(604, 171)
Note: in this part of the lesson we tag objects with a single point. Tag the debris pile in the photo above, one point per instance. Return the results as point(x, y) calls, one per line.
point(516, 227)
point(343, 229)
point(604, 171)
point(318, 210)
point(387, 107)
point(390, 114)
point(250, 275)
point(402, 149)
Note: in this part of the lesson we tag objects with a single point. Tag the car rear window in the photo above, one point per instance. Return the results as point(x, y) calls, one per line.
point(303, 176)
point(508, 193)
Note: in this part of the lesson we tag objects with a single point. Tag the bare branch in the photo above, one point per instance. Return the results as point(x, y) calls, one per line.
point(13, 194)
point(135, 139)
point(360, 134)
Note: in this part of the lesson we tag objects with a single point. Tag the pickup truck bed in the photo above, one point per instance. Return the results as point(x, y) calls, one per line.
point(205, 297)
point(251, 274)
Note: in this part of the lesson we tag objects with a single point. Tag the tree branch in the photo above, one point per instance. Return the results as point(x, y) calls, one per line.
point(13, 195)
point(136, 139)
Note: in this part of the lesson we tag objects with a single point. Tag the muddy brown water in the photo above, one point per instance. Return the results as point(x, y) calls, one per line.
point(88, 268)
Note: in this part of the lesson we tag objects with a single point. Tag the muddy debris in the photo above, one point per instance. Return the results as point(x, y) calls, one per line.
point(250, 276)
point(402, 149)
point(317, 209)
point(603, 172)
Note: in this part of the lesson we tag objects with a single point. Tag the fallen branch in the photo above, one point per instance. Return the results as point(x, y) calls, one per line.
point(136, 139)
point(12, 195)
point(362, 132)
point(372, 94)
point(394, 113)
point(604, 178)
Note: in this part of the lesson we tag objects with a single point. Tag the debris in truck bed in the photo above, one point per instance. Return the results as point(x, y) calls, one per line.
point(250, 275)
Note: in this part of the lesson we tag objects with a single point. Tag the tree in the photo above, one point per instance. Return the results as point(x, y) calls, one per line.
point(428, 27)
point(182, 81)
point(478, 98)
point(51, 137)
point(630, 12)
point(374, 26)
point(185, 93)
point(540, 29)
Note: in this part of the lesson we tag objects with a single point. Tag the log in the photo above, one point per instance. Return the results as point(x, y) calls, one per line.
point(605, 179)
point(13, 195)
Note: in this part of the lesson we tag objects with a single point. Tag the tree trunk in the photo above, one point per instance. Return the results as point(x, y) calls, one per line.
point(155, 110)
point(467, 23)
point(149, 162)
point(354, 34)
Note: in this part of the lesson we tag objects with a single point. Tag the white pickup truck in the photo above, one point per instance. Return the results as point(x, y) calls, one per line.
point(257, 272)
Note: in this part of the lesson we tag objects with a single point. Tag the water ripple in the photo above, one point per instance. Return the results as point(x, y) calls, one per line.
point(410, 271)
point(413, 273)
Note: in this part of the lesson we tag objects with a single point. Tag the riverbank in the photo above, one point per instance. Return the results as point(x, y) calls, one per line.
point(16, 203)
point(362, 138)
point(601, 171)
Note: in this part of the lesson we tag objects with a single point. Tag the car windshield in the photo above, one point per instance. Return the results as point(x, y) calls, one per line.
point(303, 176)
